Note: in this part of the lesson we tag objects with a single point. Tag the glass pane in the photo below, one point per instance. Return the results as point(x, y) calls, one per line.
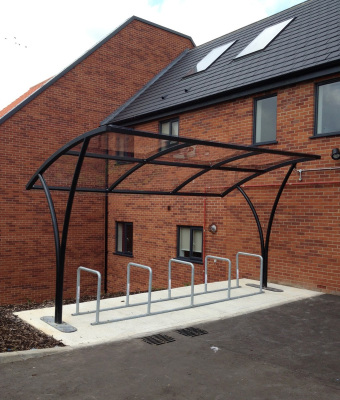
point(165, 128)
point(184, 242)
point(266, 119)
point(328, 108)
point(124, 146)
point(264, 38)
point(174, 128)
point(197, 243)
point(119, 237)
point(120, 145)
point(210, 58)
point(129, 237)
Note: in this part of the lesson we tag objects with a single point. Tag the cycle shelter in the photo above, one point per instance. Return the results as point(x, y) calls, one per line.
point(113, 160)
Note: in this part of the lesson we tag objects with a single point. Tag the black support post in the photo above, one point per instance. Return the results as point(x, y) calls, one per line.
point(270, 223)
point(258, 223)
point(60, 268)
point(54, 221)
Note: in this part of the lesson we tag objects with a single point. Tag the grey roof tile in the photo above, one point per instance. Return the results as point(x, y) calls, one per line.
point(311, 40)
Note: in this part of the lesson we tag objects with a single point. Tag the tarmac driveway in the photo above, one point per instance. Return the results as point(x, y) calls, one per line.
point(286, 352)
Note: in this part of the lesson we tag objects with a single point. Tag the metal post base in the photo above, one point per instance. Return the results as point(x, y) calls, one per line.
point(265, 288)
point(63, 327)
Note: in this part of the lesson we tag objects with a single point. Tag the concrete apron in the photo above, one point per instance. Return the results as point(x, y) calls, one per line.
point(87, 334)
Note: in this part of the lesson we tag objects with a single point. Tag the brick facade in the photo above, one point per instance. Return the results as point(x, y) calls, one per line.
point(305, 239)
point(76, 102)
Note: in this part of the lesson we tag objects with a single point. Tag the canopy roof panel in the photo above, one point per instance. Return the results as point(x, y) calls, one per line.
point(122, 160)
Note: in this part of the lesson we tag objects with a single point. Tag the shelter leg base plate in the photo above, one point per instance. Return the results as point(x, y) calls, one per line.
point(265, 288)
point(63, 327)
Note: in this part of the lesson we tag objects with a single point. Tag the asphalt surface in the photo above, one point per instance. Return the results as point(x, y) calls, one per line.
point(286, 352)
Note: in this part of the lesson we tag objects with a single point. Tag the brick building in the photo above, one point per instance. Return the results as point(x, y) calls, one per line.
point(274, 84)
point(74, 101)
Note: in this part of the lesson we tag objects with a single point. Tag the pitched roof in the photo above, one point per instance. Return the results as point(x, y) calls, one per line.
point(309, 44)
point(15, 106)
point(23, 97)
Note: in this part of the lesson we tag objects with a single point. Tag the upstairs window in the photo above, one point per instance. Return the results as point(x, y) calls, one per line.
point(264, 38)
point(124, 238)
point(265, 114)
point(328, 108)
point(169, 128)
point(190, 243)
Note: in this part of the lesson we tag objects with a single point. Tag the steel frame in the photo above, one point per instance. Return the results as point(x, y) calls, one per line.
point(67, 149)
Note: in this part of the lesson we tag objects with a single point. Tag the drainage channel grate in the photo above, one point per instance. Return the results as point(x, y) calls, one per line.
point(192, 332)
point(158, 339)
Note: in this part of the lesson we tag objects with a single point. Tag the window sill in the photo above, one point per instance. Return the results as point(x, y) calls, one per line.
point(265, 143)
point(123, 254)
point(322, 135)
point(195, 261)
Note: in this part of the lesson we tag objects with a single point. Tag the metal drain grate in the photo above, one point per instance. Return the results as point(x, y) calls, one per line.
point(192, 332)
point(158, 339)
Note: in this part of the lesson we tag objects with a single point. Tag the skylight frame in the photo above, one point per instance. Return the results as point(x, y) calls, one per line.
point(264, 38)
point(210, 58)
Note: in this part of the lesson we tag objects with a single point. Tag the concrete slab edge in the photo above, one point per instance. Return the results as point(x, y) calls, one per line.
point(33, 353)
point(36, 353)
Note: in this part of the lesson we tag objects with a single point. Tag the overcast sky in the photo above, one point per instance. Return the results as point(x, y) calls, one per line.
point(39, 38)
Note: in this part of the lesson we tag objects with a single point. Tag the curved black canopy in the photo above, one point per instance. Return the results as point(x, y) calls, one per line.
point(123, 160)
point(112, 159)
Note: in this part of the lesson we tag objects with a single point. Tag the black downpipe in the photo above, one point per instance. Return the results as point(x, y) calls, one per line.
point(270, 223)
point(60, 269)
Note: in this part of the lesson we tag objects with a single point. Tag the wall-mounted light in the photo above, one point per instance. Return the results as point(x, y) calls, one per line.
point(213, 228)
point(335, 154)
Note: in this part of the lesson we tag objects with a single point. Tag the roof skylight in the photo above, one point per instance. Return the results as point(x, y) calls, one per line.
point(264, 38)
point(210, 58)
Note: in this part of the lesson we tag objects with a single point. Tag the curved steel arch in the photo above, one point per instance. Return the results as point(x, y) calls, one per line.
point(285, 158)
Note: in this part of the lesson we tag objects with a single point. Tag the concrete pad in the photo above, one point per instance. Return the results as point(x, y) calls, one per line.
point(286, 352)
point(244, 299)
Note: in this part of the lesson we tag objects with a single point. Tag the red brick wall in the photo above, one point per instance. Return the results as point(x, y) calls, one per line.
point(305, 239)
point(76, 103)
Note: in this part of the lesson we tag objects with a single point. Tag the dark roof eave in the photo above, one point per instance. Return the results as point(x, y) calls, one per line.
point(271, 84)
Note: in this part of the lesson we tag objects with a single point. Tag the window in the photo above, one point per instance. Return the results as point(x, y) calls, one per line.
point(327, 108)
point(124, 146)
point(265, 119)
point(124, 238)
point(264, 38)
point(212, 56)
point(189, 243)
point(169, 128)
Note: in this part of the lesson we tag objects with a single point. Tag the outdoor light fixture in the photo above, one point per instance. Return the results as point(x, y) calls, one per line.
point(335, 154)
point(213, 228)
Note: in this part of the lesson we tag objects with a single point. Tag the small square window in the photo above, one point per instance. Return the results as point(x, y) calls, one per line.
point(327, 108)
point(170, 128)
point(265, 114)
point(190, 243)
point(124, 238)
